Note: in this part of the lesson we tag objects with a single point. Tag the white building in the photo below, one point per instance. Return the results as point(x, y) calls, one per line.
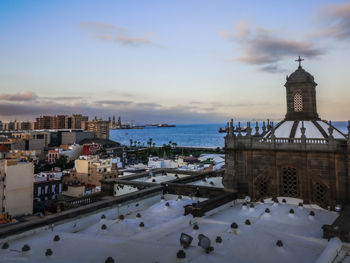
point(73, 152)
point(156, 162)
point(117, 162)
point(218, 160)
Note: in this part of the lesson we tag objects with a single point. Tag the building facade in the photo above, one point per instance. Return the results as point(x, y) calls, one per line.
point(60, 122)
point(16, 187)
point(53, 155)
point(302, 156)
point(47, 186)
point(99, 127)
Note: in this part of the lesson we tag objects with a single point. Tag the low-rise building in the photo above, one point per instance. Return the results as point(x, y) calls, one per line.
point(28, 156)
point(52, 155)
point(217, 160)
point(156, 162)
point(47, 186)
point(91, 169)
point(91, 148)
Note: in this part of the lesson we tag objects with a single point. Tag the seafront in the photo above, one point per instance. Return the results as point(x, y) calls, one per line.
point(192, 135)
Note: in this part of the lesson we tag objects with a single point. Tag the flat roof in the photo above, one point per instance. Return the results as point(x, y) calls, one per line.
point(84, 240)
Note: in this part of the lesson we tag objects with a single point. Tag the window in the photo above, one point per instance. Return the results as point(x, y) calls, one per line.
point(298, 102)
point(289, 182)
point(320, 194)
point(262, 187)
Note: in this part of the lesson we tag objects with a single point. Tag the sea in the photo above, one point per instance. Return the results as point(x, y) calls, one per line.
point(193, 135)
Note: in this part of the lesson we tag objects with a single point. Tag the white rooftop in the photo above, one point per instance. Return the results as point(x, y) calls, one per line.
point(83, 240)
point(312, 130)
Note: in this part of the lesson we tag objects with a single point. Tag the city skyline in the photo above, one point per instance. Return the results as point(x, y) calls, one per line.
point(176, 62)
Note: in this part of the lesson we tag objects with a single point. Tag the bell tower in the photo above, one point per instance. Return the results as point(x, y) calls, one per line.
point(301, 95)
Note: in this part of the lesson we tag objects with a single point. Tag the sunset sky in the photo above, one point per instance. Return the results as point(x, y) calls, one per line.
point(190, 61)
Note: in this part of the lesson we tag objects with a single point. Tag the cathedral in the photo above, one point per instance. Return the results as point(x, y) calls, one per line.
point(302, 156)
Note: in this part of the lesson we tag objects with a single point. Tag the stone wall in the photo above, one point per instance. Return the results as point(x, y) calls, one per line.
point(321, 177)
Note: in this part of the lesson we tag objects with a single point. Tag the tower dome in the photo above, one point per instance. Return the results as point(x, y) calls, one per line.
point(301, 76)
point(301, 95)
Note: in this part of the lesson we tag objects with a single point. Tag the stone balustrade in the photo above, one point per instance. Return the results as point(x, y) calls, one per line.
point(310, 144)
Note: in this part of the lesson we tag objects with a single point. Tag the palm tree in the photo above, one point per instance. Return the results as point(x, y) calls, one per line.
point(154, 144)
point(149, 142)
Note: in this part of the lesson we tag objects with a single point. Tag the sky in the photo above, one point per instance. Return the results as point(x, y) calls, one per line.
point(185, 61)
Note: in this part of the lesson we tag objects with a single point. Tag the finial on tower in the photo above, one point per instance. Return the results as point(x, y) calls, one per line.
point(299, 60)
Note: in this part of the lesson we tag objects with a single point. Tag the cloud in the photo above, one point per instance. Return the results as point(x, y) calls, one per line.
point(138, 112)
point(26, 96)
point(129, 110)
point(272, 69)
point(108, 32)
point(113, 102)
point(335, 21)
point(63, 98)
point(264, 48)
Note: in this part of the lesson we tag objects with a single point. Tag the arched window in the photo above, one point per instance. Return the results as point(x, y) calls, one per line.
point(289, 182)
point(298, 102)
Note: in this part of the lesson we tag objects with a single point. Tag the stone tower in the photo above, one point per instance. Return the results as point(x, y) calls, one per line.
point(301, 95)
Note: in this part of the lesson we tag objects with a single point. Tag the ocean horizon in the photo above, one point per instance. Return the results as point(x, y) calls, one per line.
point(191, 135)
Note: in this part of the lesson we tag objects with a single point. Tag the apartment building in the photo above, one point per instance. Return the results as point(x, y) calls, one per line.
point(16, 187)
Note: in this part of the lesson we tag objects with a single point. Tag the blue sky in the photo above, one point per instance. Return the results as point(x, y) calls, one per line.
point(174, 61)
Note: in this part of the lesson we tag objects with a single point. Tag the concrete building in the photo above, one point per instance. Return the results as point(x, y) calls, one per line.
point(28, 156)
point(99, 127)
point(27, 125)
point(90, 170)
point(302, 156)
point(44, 122)
point(34, 135)
point(88, 164)
point(60, 122)
point(16, 187)
point(17, 126)
point(77, 120)
point(76, 136)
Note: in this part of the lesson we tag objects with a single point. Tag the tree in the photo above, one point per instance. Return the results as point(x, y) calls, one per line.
point(130, 142)
point(149, 143)
point(61, 162)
